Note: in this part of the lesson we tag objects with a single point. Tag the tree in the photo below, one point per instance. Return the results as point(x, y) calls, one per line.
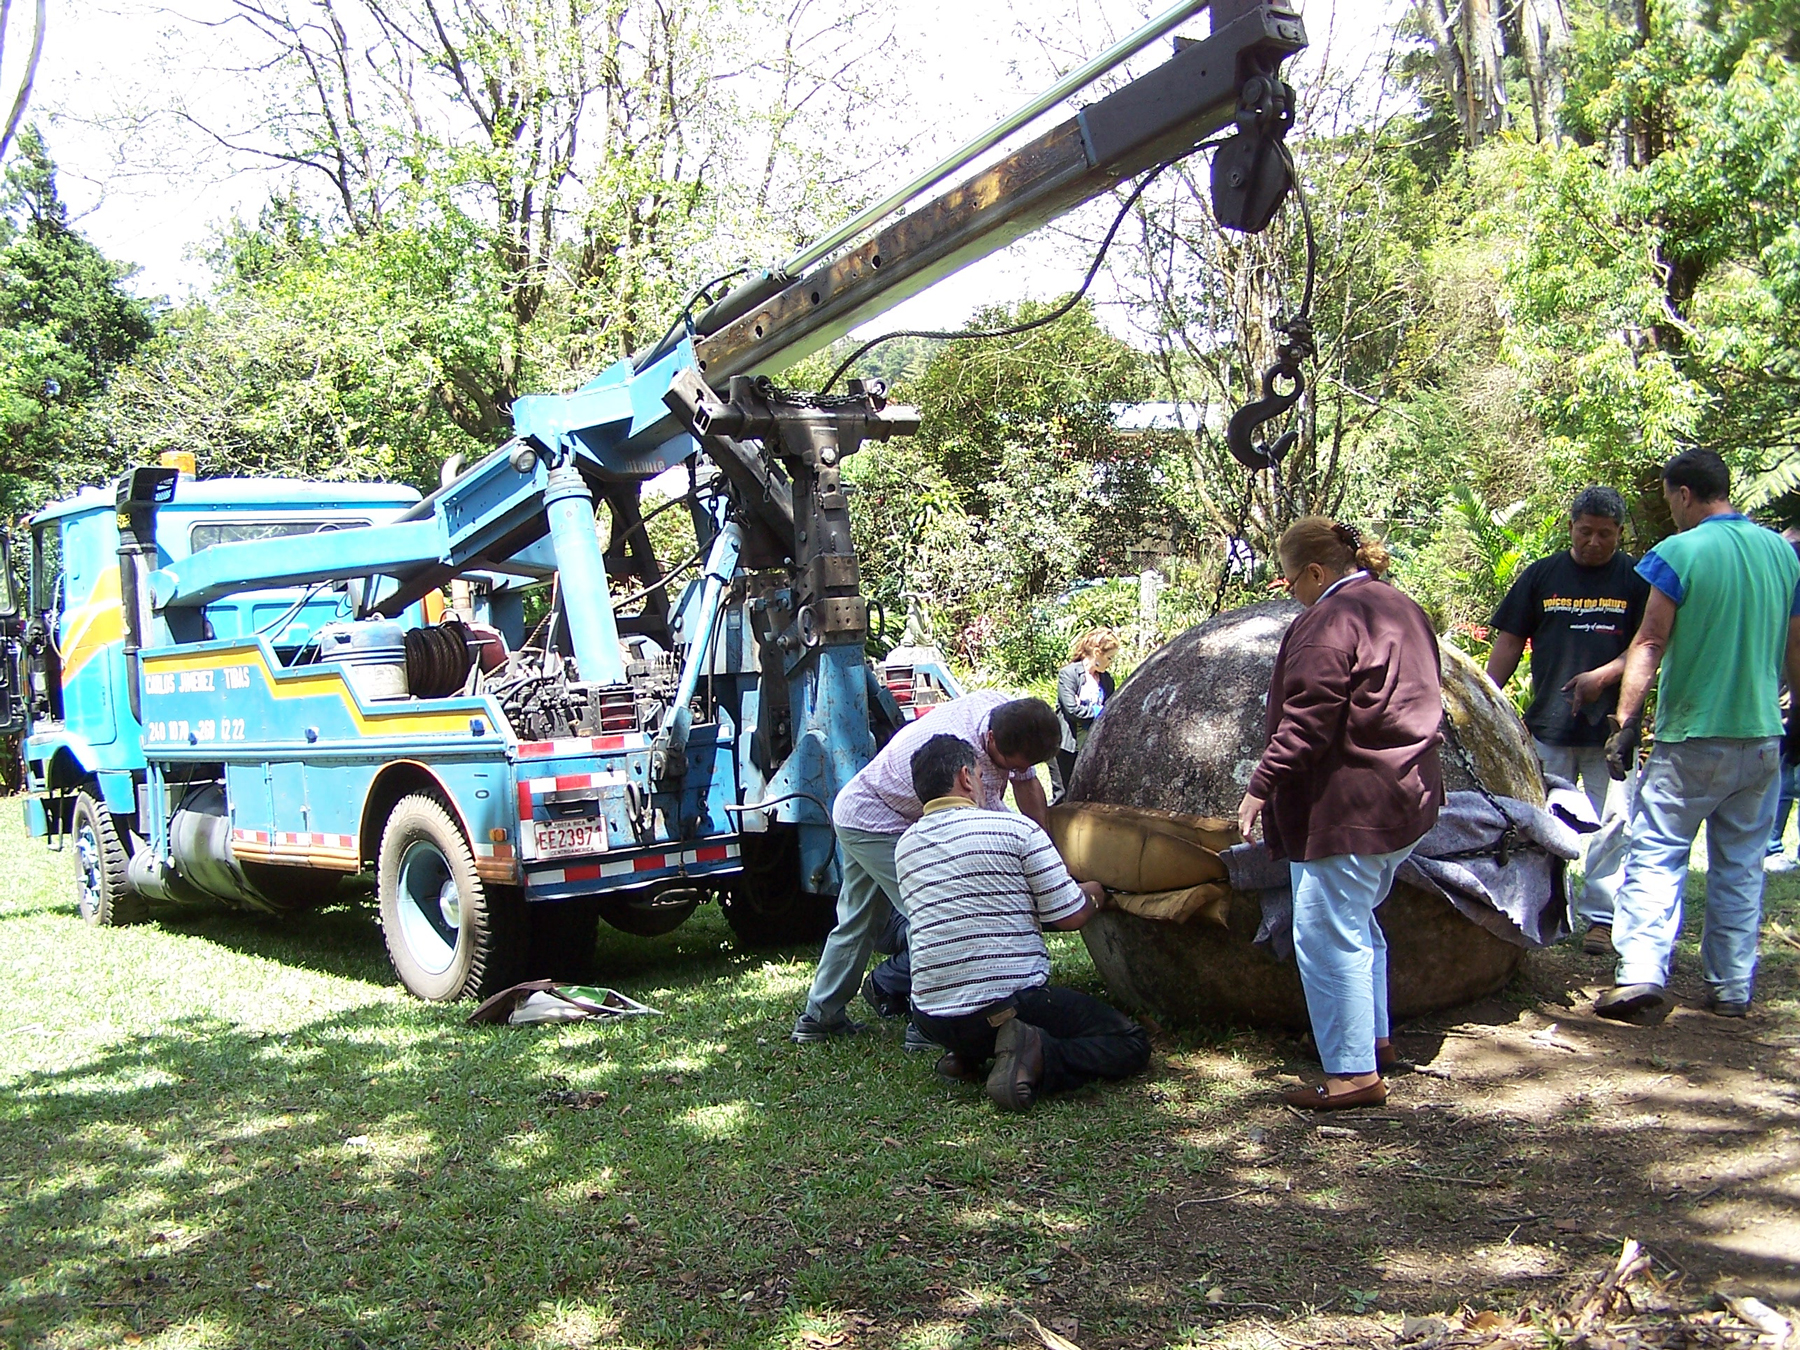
point(15, 116)
point(323, 357)
point(67, 323)
point(595, 142)
point(1468, 48)
point(1018, 482)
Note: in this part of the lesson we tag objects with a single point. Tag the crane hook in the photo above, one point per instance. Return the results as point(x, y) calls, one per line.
point(1296, 346)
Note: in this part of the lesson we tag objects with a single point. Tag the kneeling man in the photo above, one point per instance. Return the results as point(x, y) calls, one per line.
point(978, 888)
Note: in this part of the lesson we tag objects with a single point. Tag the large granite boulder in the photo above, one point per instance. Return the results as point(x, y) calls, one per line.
point(1184, 733)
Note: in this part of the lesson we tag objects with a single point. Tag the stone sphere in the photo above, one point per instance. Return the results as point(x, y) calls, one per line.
point(1184, 733)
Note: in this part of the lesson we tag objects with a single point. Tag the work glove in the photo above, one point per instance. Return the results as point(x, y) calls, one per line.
point(1622, 740)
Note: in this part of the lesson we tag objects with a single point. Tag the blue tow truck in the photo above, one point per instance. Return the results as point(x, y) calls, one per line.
point(494, 698)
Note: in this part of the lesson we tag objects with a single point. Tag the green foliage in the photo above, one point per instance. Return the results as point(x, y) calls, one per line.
point(1018, 482)
point(1033, 651)
point(66, 324)
point(322, 356)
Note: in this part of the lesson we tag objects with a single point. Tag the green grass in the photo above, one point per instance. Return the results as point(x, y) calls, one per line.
point(223, 1130)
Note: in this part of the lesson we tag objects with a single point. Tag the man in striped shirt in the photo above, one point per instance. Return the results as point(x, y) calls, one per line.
point(1008, 737)
point(978, 888)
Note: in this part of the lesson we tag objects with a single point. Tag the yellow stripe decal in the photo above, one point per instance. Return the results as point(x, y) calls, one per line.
point(93, 625)
point(315, 682)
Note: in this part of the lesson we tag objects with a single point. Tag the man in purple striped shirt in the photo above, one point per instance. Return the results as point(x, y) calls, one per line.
point(979, 887)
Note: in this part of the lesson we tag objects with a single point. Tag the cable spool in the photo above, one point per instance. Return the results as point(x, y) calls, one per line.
point(438, 659)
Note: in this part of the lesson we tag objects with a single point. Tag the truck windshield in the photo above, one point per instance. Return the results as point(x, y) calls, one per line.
point(239, 531)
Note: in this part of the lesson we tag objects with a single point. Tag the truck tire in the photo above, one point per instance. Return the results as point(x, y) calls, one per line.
point(102, 893)
point(765, 905)
point(654, 912)
point(447, 934)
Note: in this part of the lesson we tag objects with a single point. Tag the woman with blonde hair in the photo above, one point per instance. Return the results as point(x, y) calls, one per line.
point(1349, 783)
point(1082, 688)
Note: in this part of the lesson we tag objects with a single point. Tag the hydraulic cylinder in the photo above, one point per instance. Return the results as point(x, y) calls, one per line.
point(569, 506)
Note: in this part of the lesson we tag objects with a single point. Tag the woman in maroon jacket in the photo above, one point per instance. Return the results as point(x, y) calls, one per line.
point(1349, 783)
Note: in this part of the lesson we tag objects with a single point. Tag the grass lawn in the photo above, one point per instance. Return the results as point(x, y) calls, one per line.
point(221, 1130)
point(224, 1130)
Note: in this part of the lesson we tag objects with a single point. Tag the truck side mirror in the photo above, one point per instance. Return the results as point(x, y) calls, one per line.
point(9, 598)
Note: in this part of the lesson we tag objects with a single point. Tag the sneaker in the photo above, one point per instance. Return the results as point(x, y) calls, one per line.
point(1018, 1066)
point(1642, 1005)
point(809, 1030)
point(917, 1041)
point(1779, 862)
point(1598, 941)
point(885, 1005)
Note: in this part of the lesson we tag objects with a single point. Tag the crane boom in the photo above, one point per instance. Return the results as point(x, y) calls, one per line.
point(1160, 116)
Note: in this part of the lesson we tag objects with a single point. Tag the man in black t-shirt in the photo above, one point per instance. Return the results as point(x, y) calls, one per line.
point(1578, 609)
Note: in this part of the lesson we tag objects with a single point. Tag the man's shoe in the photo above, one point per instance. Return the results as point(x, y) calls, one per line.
point(953, 1068)
point(885, 1005)
point(1018, 1065)
point(808, 1030)
point(1318, 1099)
point(917, 1041)
point(1728, 1007)
point(1779, 862)
point(1642, 1005)
point(1598, 941)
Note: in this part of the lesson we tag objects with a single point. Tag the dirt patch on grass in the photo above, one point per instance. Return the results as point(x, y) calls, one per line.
point(1529, 1143)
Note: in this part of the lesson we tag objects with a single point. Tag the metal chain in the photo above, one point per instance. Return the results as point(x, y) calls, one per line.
point(1233, 539)
point(1509, 835)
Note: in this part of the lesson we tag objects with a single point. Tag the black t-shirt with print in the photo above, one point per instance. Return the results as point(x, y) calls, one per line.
point(1577, 618)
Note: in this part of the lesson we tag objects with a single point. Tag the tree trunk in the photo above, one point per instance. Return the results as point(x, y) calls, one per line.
point(1544, 37)
point(1468, 48)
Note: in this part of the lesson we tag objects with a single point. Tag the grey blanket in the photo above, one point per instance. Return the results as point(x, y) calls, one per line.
point(1521, 897)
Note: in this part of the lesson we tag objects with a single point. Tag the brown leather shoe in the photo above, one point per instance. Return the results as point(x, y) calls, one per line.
point(954, 1068)
point(1317, 1099)
point(1018, 1066)
point(1598, 941)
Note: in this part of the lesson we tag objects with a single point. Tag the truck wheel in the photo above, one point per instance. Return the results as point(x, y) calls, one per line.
point(102, 892)
point(448, 936)
point(765, 906)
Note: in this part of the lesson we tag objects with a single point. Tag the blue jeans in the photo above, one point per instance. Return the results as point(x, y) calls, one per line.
point(1784, 805)
point(1342, 954)
point(1603, 867)
point(1731, 787)
point(868, 900)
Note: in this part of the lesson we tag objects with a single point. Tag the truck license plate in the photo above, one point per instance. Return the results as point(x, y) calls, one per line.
point(567, 839)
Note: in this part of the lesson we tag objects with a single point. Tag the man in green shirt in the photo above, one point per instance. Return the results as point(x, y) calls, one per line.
point(1721, 625)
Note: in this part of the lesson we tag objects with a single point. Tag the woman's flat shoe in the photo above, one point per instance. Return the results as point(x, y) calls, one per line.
point(1318, 1099)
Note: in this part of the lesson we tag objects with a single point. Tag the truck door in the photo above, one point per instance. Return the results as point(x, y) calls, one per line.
point(43, 662)
point(12, 689)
